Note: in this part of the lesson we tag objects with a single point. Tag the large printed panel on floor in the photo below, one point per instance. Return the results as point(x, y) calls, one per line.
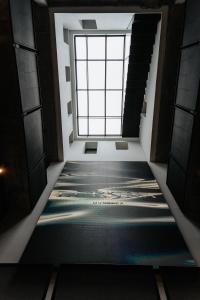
point(108, 213)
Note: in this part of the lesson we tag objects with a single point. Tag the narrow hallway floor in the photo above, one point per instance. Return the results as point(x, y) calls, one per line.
point(107, 213)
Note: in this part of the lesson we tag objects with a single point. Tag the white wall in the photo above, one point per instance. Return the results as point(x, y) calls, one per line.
point(106, 151)
point(63, 58)
point(147, 121)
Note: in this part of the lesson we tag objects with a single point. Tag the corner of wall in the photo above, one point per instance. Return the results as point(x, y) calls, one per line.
point(63, 57)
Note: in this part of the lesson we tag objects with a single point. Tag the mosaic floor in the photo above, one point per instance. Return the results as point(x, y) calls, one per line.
point(107, 213)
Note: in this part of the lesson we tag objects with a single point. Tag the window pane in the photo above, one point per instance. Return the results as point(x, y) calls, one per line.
point(96, 47)
point(82, 126)
point(96, 70)
point(115, 47)
point(82, 103)
point(113, 126)
point(125, 72)
point(113, 103)
point(96, 126)
point(81, 75)
point(96, 103)
point(114, 74)
point(124, 95)
point(80, 44)
point(128, 44)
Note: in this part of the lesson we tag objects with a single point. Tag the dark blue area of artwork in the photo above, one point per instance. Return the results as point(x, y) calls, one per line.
point(107, 213)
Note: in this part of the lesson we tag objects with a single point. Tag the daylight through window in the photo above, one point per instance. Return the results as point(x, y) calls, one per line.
point(101, 69)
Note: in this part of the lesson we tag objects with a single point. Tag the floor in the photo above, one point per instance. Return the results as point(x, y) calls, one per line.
point(107, 213)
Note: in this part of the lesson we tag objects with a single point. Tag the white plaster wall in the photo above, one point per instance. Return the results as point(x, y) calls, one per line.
point(106, 151)
point(63, 58)
point(146, 123)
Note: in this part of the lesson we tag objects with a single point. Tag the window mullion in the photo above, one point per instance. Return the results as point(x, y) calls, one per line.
point(105, 82)
point(87, 79)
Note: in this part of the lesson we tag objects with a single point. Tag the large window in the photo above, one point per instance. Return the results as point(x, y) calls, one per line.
point(100, 62)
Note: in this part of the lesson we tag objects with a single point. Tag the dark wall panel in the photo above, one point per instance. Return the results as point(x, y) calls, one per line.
point(193, 180)
point(38, 181)
point(131, 120)
point(189, 78)
point(185, 147)
point(168, 68)
point(20, 130)
point(142, 39)
point(181, 137)
point(176, 180)
point(45, 69)
point(34, 138)
point(192, 22)
point(22, 22)
point(28, 79)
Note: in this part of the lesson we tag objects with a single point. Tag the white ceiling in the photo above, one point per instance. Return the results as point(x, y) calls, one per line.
point(105, 21)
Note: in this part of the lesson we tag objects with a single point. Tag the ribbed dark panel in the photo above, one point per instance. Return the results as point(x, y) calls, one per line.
point(21, 130)
point(142, 41)
point(176, 181)
point(38, 181)
point(181, 138)
point(189, 78)
point(45, 70)
point(185, 146)
point(192, 23)
point(22, 23)
point(28, 79)
point(34, 138)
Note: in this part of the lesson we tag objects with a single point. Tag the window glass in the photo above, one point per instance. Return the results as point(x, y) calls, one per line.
point(81, 75)
point(125, 71)
point(82, 103)
point(96, 47)
point(113, 103)
point(96, 126)
point(127, 46)
point(114, 74)
point(96, 73)
point(80, 44)
point(82, 126)
point(115, 47)
point(96, 103)
point(113, 126)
